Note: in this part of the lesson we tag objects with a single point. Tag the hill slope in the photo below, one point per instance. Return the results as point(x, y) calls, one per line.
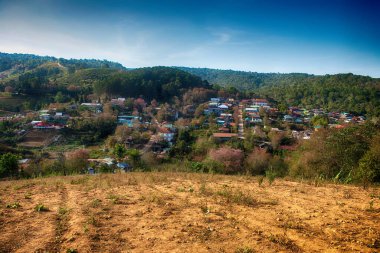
point(178, 212)
point(23, 62)
point(344, 92)
point(160, 83)
point(43, 77)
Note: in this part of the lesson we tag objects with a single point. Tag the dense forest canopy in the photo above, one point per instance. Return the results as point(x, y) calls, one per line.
point(32, 75)
point(36, 75)
point(341, 92)
point(243, 80)
point(22, 62)
point(160, 83)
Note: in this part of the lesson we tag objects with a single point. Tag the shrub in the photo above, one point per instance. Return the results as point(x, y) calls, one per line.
point(104, 168)
point(150, 160)
point(77, 161)
point(134, 156)
point(271, 175)
point(232, 159)
point(257, 162)
point(8, 165)
point(9, 89)
point(276, 139)
point(369, 165)
point(119, 151)
point(203, 145)
point(278, 166)
point(41, 208)
point(199, 167)
point(213, 166)
point(332, 154)
point(13, 205)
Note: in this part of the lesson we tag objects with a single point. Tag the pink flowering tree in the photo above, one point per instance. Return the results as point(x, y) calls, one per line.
point(231, 159)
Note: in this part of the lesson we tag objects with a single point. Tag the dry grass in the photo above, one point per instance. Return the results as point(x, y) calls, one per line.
point(181, 212)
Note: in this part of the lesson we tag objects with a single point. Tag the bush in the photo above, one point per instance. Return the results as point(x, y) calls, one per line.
point(199, 167)
point(278, 166)
point(232, 159)
point(77, 161)
point(369, 165)
point(119, 151)
point(257, 162)
point(8, 165)
point(211, 166)
point(104, 168)
point(203, 145)
point(271, 175)
point(340, 155)
point(150, 160)
point(41, 208)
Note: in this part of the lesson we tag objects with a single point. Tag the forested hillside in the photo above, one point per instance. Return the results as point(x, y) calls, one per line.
point(160, 83)
point(343, 92)
point(51, 79)
point(33, 75)
point(18, 63)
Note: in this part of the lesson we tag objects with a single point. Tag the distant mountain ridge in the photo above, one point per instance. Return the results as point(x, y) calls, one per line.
point(246, 80)
point(14, 63)
point(32, 74)
point(340, 92)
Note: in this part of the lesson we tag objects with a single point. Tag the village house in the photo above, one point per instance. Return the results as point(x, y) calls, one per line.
point(252, 109)
point(128, 120)
point(118, 102)
point(215, 100)
point(260, 102)
point(96, 107)
point(253, 119)
point(224, 136)
point(166, 134)
point(288, 118)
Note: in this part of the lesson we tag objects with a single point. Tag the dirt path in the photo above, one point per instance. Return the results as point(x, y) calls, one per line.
point(178, 212)
point(241, 122)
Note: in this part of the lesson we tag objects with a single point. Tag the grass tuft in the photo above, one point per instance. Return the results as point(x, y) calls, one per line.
point(41, 208)
point(14, 205)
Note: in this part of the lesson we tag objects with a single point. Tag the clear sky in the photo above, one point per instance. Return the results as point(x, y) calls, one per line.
point(311, 36)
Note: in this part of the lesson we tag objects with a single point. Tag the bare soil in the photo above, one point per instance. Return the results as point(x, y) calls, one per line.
point(179, 212)
point(37, 138)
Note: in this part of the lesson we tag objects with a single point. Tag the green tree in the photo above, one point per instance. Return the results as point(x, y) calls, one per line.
point(135, 156)
point(335, 154)
point(8, 165)
point(320, 120)
point(59, 98)
point(119, 151)
point(369, 164)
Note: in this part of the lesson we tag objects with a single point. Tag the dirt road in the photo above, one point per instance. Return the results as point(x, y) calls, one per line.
point(241, 122)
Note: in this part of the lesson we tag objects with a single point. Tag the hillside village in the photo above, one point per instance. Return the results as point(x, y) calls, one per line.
point(64, 117)
point(189, 126)
point(151, 127)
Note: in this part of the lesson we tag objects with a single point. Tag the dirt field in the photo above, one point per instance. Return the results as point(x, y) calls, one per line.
point(38, 138)
point(177, 212)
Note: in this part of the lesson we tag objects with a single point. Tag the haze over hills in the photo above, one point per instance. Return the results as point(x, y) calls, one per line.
point(35, 74)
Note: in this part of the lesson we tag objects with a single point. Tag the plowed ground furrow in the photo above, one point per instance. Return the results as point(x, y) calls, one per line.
point(107, 227)
point(74, 234)
point(61, 221)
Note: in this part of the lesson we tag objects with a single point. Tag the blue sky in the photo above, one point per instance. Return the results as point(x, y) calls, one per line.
point(312, 36)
